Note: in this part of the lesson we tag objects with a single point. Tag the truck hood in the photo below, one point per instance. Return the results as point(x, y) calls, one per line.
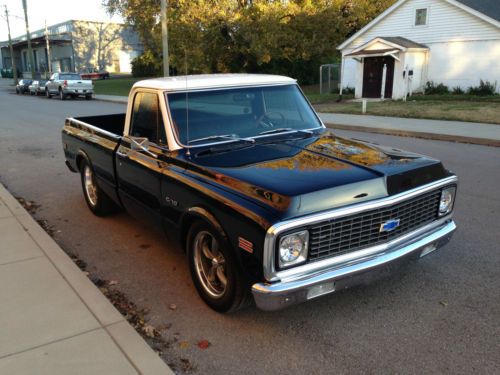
point(293, 175)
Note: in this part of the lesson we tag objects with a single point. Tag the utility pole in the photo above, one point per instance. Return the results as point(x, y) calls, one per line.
point(28, 37)
point(12, 57)
point(49, 65)
point(164, 36)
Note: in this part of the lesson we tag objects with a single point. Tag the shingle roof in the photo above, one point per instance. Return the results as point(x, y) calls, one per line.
point(491, 8)
point(403, 42)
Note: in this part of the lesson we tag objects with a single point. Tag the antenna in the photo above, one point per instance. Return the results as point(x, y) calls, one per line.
point(188, 153)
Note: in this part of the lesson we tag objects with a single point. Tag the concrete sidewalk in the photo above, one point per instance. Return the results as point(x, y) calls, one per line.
point(456, 131)
point(53, 319)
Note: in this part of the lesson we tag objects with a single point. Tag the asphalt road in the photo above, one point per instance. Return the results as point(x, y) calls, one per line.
point(440, 315)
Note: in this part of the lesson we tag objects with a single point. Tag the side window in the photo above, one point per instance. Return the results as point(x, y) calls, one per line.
point(146, 118)
point(421, 17)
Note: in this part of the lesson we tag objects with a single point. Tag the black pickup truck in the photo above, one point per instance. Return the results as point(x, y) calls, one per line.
point(264, 199)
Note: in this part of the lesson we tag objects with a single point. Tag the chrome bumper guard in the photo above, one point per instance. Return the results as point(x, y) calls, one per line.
point(284, 293)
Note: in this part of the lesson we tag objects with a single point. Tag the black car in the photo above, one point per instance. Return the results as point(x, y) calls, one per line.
point(23, 86)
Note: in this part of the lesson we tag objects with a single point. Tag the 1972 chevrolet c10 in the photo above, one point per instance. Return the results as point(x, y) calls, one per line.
point(262, 197)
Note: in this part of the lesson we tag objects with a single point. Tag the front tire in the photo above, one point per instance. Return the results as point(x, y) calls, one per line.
point(99, 203)
point(214, 270)
point(88, 97)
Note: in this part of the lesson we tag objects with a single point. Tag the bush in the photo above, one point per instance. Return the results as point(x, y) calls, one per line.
point(485, 88)
point(147, 65)
point(348, 91)
point(432, 89)
point(457, 90)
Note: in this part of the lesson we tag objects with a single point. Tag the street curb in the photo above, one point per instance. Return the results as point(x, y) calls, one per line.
point(119, 101)
point(415, 134)
point(132, 345)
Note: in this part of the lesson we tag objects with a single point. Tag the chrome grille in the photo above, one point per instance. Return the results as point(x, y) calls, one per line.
point(347, 234)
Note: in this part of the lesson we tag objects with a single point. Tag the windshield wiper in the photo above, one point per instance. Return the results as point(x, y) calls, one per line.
point(282, 130)
point(223, 136)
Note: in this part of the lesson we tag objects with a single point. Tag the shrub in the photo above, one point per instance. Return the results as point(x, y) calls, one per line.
point(432, 89)
point(147, 65)
point(457, 90)
point(348, 91)
point(485, 88)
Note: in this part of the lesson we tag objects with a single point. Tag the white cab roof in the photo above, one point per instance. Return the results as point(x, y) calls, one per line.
point(204, 81)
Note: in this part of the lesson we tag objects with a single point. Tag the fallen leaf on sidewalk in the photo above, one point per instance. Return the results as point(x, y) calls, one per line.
point(172, 306)
point(186, 365)
point(149, 330)
point(203, 344)
point(444, 303)
point(183, 344)
point(113, 282)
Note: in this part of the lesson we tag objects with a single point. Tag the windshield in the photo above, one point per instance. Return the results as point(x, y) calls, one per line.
point(239, 113)
point(74, 77)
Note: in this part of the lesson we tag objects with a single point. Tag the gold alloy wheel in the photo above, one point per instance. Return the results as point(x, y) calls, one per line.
point(210, 264)
point(90, 188)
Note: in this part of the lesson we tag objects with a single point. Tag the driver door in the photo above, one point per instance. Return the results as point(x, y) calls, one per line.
point(139, 169)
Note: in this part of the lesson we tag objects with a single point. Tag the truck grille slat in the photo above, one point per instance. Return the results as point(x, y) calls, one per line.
point(351, 233)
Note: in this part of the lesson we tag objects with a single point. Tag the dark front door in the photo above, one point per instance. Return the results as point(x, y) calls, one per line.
point(372, 76)
point(138, 171)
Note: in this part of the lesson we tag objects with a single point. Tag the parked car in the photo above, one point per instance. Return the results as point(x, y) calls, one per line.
point(263, 198)
point(94, 74)
point(69, 84)
point(37, 87)
point(23, 86)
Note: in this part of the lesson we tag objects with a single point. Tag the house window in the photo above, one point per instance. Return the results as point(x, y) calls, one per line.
point(421, 17)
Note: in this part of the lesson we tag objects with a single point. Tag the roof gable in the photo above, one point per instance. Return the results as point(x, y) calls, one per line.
point(456, 3)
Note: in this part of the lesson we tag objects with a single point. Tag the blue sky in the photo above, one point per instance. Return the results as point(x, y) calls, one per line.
point(54, 11)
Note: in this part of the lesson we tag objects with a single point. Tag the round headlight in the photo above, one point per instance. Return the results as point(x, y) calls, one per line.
point(446, 201)
point(293, 248)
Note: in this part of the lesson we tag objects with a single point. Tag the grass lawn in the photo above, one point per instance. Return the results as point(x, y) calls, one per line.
point(471, 109)
point(115, 86)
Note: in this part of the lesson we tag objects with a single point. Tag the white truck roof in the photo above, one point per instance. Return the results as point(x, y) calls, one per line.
point(204, 81)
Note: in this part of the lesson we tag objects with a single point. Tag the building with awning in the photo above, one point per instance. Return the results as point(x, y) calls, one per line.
point(75, 46)
point(413, 42)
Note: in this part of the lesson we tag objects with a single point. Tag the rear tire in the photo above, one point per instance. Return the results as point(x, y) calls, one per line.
point(214, 270)
point(99, 203)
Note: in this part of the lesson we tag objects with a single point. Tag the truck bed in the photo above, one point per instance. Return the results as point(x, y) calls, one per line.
point(114, 123)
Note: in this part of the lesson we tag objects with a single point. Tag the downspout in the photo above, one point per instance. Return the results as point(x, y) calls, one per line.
point(341, 77)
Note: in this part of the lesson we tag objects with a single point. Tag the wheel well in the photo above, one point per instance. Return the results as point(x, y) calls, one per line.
point(79, 158)
point(198, 214)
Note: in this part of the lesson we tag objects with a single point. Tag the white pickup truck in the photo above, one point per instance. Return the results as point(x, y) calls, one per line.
point(69, 84)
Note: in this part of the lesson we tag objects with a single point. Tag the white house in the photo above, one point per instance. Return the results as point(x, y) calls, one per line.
point(455, 42)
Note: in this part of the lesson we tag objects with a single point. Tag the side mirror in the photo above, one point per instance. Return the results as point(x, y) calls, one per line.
point(141, 144)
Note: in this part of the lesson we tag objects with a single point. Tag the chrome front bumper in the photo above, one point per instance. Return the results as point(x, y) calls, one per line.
point(284, 293)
